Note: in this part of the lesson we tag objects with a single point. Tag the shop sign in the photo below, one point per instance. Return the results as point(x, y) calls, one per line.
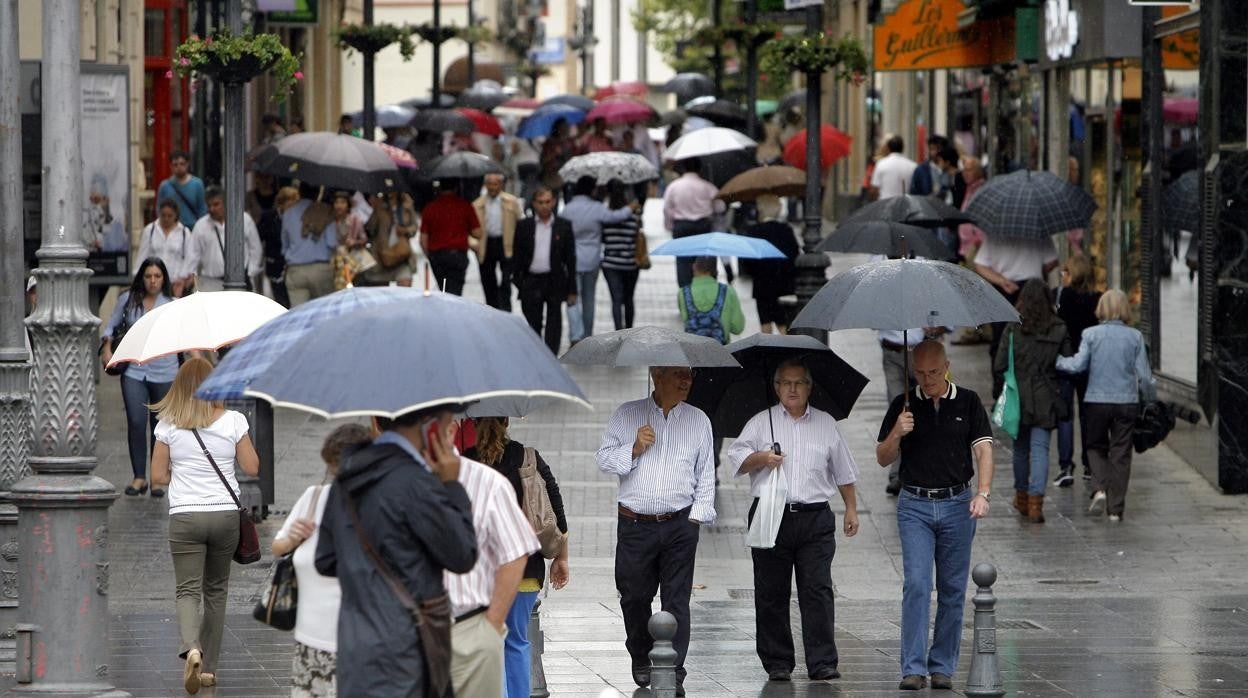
point(798, 4)
point(1061, 29)
point(303, 12)
point(924, 35)
point(1180, 51)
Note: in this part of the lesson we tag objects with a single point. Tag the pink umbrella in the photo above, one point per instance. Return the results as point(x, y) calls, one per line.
point(1181, 111)
point(401, 157)
point(620, 110)
point(635, 89)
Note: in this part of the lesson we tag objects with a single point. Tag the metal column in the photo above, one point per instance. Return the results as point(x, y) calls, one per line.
point(812, 265)
point(370, 68)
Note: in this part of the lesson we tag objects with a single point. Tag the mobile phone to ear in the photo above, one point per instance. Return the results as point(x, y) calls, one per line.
point(431, 432)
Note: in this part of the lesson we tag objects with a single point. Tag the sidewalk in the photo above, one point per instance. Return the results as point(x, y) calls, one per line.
point(1154, 606)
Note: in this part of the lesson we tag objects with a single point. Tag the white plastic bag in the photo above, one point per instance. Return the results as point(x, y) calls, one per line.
point(770, 510)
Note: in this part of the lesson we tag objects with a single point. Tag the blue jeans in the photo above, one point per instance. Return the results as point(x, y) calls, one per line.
point(136, 395)
point(581, 315)
point(939, 530)
point(516, 645)
point(1031, 459)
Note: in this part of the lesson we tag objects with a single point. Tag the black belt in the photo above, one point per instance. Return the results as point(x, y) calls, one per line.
point(937, 492)
point(798, 507)
point(891, 346)
point(474, 612)
point(651, 518)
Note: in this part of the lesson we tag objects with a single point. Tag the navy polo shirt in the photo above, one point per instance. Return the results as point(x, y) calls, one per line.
point(939, 452)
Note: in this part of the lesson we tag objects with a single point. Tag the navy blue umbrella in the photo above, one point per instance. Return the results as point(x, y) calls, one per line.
point(539, 123)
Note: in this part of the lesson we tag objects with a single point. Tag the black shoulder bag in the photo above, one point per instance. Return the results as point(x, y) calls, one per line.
point(248, 550)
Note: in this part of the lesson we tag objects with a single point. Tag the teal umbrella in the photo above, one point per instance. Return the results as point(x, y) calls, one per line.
point(718, 245)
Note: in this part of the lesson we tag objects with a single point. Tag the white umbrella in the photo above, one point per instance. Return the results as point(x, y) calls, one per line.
point(629, 168)
point(708, 141)
point(204, 321)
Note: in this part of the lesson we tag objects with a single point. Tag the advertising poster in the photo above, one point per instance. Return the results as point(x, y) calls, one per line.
point(105, 168)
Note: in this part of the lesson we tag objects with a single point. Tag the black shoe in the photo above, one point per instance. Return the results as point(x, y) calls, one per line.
point(641, 676)
point(778, 675)
point(157, 493)
point(893, 489)
point(133, 491)
point(913, 682)
point(1087, 474)
point(1065, 479)
point(680, 689)
point(825, 674)
point(942, 682)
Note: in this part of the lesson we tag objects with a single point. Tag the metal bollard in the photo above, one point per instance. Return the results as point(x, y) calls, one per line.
point(662, 628)
point(985, 676)
point(537, 645)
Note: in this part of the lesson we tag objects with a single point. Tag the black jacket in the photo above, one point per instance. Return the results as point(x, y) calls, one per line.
point(509, 466)
point(562, 256)
point(1035, 367)
point(773, 277)
point(421, 527)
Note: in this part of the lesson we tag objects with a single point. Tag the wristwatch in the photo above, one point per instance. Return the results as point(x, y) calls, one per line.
point(986, 495)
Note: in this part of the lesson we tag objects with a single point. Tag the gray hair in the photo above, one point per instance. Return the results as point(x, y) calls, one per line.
point(792, 363)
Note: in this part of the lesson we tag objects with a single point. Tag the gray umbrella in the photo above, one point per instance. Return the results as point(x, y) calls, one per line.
point(648, 346)
point(687, 86)
point(462, 165)
point(912, 209)
point(329, 160)
point(442, 120)
point(884, 237)
point(431, 349)
point(1030, 205)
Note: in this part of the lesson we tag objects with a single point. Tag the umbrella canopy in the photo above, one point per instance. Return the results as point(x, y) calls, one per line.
point(674, 117)
point(620, 111)
point(483, 98)
point(330, 160)
point(730, 397)
point(388, 116)
point(912, 209)
point(777, 180)
point(400, 157)
point(833, 145)
point(793, 100)
point(444, 101)
point(463, 165)
point(255, 354)
point(718, 245)
point(574, 101)
point(443, 120)
point(510, 406)
point(631, 88)
point(707, 141)
point(1180, 203)
point(721, 112)
point(1030, 205)
point(902, 294)
point(410, 365)
point(629, 168)
point(886, 238)
point(204, 321)
point(540, 123)
point(687, 86)
point(648, 346)
point(720, 168)
point(482, 122)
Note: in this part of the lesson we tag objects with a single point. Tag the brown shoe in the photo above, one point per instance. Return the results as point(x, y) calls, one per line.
point(190, 677)
point(941, 682)
point(913, 682)
point(1020, 501)
point(1035, 508)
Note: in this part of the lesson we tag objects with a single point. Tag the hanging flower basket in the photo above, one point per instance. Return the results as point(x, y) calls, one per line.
point(236, 59)
point(740, 34)
point(819, 54)
point(372, 38)
point(435, 35)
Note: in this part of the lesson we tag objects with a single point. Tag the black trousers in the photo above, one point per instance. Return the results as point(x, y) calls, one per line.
point(621, 283)
point(684, 265)
point(807, 543)
point(652, 557)
point(449, 268)
point(542, 306)
point(1109, 450)
point(497, 291)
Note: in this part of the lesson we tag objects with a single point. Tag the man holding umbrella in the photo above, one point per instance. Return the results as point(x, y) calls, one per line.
point(801, 444)
point(660, 448)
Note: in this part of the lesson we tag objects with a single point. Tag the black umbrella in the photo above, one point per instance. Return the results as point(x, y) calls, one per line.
point(687, 86)
point(731, 396)
point(483, 98)
point(388, 116)
point(1030, 205)
point(721, 112)
point(444, 100)
point(912, 209)
point(577, 101)
point(884, 237)
point(793, 100)
point(330, 160)
point(442, 120)
point(719, 168)
point(462, 165)
point(1180, 203)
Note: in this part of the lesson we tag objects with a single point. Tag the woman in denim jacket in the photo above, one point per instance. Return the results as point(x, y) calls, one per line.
point(1116, 360)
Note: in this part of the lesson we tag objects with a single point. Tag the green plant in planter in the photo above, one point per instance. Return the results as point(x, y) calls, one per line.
point(372, 38)
point(740, 34)
point(475, 34)
point(820, 53)
point(232, 58)
point(435, 35)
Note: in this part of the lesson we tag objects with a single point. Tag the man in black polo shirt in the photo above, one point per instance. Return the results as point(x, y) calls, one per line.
point(936, 435)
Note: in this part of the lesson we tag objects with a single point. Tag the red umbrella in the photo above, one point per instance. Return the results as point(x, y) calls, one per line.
point(620, 110)
point(833, 146)
point(400, 157)
point(636, 89)
point(482, 122)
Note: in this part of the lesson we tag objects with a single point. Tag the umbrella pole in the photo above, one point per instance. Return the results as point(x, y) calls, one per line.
point(905, 362)
point(775, 447)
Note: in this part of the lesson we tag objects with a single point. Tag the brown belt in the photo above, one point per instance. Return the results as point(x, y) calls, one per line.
point(649, 518)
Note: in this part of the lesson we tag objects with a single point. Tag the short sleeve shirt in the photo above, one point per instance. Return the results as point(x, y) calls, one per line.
point(194, 485)
point(939, 452)
point(448, 220)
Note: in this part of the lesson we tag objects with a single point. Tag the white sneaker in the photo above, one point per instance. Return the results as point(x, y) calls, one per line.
point(1098, 500)
point(1115, 518)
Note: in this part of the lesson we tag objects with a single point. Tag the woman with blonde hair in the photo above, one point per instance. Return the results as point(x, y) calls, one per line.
point(269, 225)
point(1116, 360)
point(198, 444)
point(1075, 300)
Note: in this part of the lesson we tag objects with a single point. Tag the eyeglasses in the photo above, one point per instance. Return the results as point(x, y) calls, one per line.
point(683, 373)
point(788, 385)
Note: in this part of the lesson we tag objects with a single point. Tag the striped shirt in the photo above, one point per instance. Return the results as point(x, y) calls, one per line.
point(503, 535)
point(816, 458)
point(675, 472)
point(619, 242)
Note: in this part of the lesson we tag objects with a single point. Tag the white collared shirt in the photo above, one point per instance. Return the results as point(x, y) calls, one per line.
point(494, 216)
point(816, 459)
point(208, 236)
point(543, 237)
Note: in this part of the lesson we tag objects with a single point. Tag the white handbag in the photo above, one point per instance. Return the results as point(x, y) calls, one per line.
point(770, 510)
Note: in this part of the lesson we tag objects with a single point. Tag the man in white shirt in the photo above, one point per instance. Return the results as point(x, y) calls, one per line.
point(689, 208)
point(807, 451)
point(544, 267)
point(1008, 263)
point(499, 212)
point(209, 235)
point(893, 172)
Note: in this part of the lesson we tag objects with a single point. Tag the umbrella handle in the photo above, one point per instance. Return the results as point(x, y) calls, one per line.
point(426, 277)
point(905, 361)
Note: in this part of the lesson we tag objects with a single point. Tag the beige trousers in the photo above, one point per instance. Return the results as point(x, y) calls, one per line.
point(202, 544)
point(307, 281)
point(477, 658)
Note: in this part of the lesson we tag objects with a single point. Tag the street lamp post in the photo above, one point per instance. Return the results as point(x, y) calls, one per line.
point(436, 92)
point(717, 60)
point(812, 265)
point(751, 70)
point(63, 520)
point(370, 71)
point(472, 49)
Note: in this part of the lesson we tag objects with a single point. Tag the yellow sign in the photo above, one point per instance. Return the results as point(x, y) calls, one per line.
point(924, 35)
point(1180, 51)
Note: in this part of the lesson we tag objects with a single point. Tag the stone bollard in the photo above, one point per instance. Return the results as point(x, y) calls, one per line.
point(662, 628)
point(537, 645)
point(985, 677)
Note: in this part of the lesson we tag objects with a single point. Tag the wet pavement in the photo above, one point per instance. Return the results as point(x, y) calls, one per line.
point(1154, 606)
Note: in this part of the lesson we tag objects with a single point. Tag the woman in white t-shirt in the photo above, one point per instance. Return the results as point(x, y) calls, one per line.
point(203, 518)
point(316, 616)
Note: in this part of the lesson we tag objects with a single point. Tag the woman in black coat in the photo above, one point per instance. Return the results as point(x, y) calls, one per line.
point(496, 449)
point(1076, 301)
point(773, 277)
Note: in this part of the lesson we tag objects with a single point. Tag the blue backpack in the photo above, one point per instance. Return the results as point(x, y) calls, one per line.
point(706, 323)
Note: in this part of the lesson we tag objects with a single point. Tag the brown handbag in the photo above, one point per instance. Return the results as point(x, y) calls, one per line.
point(248, 549)
point(432, 616)
point(642, 255)
point(396, 254)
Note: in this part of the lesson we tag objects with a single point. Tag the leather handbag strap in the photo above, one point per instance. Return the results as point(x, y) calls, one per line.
point(212, 461)
point(380, 564)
